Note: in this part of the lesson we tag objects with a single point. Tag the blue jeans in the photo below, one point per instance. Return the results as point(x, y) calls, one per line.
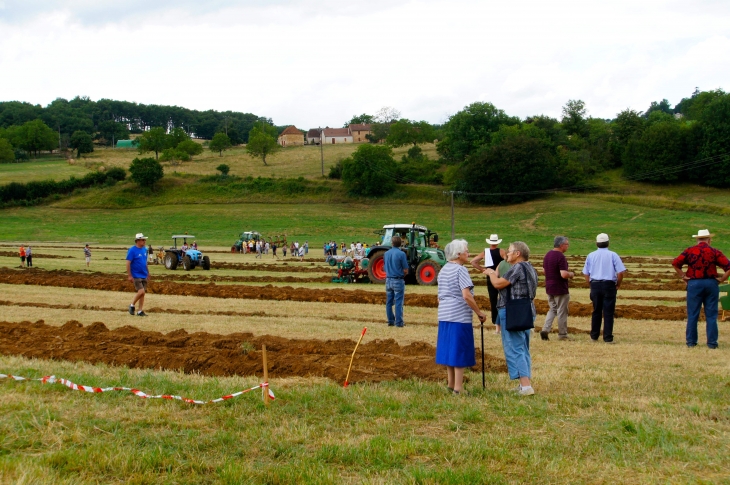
point(516, 347)
point(395, 289)
point(702, 292)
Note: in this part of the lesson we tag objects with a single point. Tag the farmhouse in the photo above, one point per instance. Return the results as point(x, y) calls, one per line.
point(337, 135)
point(291, 136)
point(359, 132)
point(313, 136)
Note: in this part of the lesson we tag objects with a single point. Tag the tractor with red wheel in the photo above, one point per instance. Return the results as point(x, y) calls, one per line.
point(424, 260)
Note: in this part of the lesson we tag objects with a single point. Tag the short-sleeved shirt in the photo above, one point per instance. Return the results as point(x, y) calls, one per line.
point(523, 284)
point(87, 252)
point(702, 261)
point(452, 279)
point(138, 257)
point(603, 265)
point(553, 263)
point(21, 251)
point(395, 263)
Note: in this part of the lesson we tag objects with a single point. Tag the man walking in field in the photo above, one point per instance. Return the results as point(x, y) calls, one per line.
point(396, 269)
point(21, 252)
point(138, 273)
point(29, 257)
point(702, 285)
point(604, 271)
point(87, 255)
point(556, 286)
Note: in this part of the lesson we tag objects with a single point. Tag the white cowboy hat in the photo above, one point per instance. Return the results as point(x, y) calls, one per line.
point(602, 237)
point(703, 233)
point(139, 236)
point(493, 239)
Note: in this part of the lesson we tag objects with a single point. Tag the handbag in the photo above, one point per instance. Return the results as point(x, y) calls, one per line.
point(518, 312)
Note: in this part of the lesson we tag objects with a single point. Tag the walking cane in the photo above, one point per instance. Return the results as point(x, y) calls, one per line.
point(484, 381)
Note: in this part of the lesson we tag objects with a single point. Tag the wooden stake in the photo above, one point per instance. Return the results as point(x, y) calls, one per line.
point(266, 376)
point(353, 356)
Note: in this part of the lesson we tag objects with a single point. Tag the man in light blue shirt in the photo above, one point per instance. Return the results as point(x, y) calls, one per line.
point(604, 272)
point(396, 269)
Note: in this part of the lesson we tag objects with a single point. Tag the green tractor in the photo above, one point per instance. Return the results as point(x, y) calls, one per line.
point(243, 238)
point(424, 260)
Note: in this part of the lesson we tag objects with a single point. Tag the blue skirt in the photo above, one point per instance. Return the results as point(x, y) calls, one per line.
point(455, 345)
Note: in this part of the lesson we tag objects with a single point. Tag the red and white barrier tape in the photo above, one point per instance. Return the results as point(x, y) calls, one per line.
point(264, 386)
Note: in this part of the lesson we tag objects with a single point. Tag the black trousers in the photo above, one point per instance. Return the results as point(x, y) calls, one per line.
point(603, 296)
point(493, 295)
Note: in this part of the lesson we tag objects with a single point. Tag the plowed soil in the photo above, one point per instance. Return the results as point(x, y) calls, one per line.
point(225, 355)
point(69, 279)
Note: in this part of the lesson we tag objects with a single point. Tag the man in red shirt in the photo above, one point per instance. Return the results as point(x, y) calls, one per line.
point(702, 284)
point(556, 286)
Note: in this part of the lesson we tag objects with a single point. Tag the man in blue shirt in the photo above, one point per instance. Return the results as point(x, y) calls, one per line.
point(604, 272)
point(396, 269)
point(137, 272)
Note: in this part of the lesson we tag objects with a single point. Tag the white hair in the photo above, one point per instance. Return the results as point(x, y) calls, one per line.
point(454, 248)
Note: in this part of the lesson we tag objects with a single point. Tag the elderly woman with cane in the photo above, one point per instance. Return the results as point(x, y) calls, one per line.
point(455, 344)
point(517, 289)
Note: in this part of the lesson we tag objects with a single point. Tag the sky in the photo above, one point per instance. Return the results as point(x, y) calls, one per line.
point(318, 63)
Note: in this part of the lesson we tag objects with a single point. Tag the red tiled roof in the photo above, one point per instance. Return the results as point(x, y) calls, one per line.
point(359, 127)
point(313, 133)
point(337, 132)
point(291, 130)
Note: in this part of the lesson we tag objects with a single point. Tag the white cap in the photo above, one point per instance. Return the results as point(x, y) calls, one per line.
point(140, 236)
point(602, 237)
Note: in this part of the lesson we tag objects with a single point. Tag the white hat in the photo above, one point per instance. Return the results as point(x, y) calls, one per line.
point(139, 236)
point(703, 233)
point(494, 239)
point(602, 237)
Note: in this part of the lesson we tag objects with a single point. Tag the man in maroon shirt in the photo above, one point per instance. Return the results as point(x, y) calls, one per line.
point(556, 286)
point(702, 284)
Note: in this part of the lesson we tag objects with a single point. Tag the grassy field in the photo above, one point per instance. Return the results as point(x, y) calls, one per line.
point(43, 169)
point(633, 229)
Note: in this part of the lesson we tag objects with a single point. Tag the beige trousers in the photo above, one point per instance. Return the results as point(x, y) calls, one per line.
point(558, 308)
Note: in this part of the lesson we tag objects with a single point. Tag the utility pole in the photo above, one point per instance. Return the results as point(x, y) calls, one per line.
point(321, 149)
point(59, 139)
point(452, 192)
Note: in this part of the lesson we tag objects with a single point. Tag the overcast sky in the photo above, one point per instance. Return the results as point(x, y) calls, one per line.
point(313, 63)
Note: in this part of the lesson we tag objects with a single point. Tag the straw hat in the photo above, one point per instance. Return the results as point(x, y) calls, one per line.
point(703, 233)
point(139, 236)
point(493, 239)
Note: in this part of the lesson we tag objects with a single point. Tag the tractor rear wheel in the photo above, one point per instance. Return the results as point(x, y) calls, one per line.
point(376, 267)
point(206, 263)
point(171, 261)
point(426, 273)
point(234, 248)
point(187, 263)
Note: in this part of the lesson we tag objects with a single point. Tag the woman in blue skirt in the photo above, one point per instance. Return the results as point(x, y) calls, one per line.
point(455, 344)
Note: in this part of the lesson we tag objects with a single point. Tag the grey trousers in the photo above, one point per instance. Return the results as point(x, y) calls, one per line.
point(558, 308)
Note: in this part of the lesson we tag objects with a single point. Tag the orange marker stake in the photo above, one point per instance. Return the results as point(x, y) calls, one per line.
point(347, 382)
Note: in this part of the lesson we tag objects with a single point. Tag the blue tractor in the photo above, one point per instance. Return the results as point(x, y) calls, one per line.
point(188, 257)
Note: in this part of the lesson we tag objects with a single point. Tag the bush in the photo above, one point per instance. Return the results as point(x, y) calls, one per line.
point(336, 171)
point(7, 155)
point(146, 172)
point(418, 168)
point(371, 171)
point(32, 192)
point(190, 147)
point(223, 169)
point(173, 155)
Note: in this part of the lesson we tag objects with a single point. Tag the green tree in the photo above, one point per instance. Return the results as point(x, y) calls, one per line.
point(714, 141)
point(663, 106)
point(81, 142)
point(470, 129)
point(659, 153)
point(416, 167)
point(7, 154)
point(154, 140)
point(111, 132)
point(173, 155)
point(190, 147)
point(146, 172)
point(364, 119)
point(519, 162)
point(370, 171)
point(35, 136)
point(262, 141)
point(406, 132)
point(574, 118)
point(221, 142)
point(223, 169)
point(177, 136)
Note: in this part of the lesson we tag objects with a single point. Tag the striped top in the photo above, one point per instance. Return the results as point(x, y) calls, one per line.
point(452, 307)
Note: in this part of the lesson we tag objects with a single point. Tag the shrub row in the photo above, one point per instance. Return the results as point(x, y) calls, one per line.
point(262, 185)
point(33, 191)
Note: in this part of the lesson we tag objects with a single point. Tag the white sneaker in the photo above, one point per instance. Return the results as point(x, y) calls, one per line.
point(526, 391)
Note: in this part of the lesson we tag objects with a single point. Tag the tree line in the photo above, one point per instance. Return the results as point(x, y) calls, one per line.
point(493, 157)
point(33, 128)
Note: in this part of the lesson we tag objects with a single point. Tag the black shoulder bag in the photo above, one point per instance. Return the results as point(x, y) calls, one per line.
point(519, 311)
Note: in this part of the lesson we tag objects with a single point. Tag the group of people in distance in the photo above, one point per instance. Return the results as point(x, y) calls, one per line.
point(511, 277)
point(26, 256)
